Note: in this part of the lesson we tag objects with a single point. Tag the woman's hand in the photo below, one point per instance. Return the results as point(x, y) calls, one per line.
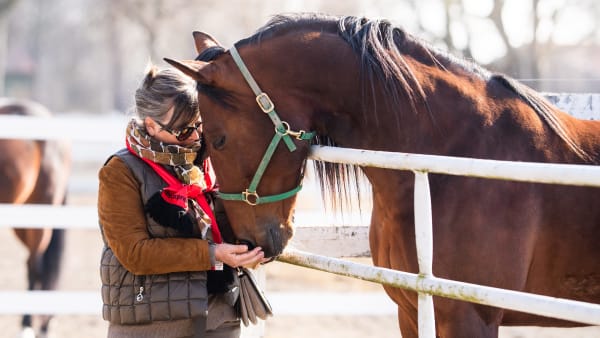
point(238, 255)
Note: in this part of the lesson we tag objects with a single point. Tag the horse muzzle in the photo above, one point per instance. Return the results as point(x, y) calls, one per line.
point(273, 240)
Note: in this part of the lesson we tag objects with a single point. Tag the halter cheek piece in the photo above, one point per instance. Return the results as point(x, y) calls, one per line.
point(282, 131)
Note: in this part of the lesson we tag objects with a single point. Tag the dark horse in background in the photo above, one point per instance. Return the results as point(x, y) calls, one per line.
point(366, 84)
point(35, 172)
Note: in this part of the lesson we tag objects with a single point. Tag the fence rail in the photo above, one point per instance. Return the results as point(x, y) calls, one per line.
point(568, 174)
point(519, 301)
point(315, 232)
point(16, 302)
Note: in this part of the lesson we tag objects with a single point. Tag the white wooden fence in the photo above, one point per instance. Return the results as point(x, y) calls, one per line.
point(583, 106)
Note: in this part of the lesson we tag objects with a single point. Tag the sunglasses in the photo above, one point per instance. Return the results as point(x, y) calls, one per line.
point(183, 133)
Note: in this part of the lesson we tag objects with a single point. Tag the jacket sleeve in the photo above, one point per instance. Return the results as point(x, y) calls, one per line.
point(121, 213)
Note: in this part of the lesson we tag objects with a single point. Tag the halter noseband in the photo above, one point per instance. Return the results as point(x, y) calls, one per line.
point(282, 131)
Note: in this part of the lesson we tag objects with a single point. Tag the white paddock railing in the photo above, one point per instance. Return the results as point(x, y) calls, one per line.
point(424, 282)
point(429, 285)
point(109, 130)
point(314, 233)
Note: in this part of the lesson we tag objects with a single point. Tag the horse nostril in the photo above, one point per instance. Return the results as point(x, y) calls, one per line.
point(276, 242)
point(249, 244)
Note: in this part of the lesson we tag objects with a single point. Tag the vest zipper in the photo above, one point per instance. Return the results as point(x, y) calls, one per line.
point(140, 295)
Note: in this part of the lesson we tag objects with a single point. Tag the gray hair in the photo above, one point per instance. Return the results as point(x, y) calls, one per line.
point(161, 90)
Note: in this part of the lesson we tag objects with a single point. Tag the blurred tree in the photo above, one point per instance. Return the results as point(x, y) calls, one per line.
point(513, 63)
point(115, 55)
point(523, 33)
point(6, 7)
point(90, 54)
point(150, 15)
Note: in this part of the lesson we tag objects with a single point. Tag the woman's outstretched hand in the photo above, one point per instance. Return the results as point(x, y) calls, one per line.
point(238, 255)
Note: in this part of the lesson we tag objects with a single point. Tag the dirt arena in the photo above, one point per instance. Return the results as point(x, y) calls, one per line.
point(80, 273)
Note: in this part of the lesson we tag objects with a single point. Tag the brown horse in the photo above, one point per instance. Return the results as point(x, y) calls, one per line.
point(35, 172)
point(365, 84)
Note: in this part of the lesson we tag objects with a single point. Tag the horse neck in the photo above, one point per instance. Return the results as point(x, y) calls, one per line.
point(356, 114)
point(464, 115)
point(475, 114)
point(366, 119)
point(462, 112)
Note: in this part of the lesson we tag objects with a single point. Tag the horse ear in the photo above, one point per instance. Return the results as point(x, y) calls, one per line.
point(204, 41)
point(197, 70)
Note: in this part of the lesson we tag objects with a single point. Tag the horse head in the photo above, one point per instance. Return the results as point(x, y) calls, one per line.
point(258, 152)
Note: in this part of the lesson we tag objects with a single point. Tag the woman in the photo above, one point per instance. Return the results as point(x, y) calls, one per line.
point(160, 235)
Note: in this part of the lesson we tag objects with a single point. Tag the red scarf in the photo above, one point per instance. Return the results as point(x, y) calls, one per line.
point(177, 193)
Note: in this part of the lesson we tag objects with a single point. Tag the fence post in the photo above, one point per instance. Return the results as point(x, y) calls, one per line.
point(424, 244)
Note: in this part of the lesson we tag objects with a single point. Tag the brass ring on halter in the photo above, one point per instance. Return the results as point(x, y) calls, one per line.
point(287, 130)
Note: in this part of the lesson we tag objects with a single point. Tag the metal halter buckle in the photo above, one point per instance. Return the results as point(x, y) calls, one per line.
point(265, 103)
point(247, 195)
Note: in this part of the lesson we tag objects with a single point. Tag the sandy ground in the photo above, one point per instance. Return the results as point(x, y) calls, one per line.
point(80, 273)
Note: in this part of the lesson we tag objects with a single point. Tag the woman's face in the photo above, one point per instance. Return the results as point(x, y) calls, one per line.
point(157, 130)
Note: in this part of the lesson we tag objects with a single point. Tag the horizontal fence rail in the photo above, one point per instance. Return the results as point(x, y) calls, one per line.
point(569, 174)
point(314, 232)
point(283, 303)
point(518, 301)
point(76, 128)
point(86, 217)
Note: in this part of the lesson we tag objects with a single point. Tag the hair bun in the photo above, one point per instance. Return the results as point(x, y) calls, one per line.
point(151, 71)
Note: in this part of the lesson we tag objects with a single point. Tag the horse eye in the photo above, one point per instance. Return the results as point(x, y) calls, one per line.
point(219, 143)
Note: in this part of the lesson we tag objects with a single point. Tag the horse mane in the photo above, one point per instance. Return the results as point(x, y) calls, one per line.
point(373, 40)
point(544, 109)
point(380, 47)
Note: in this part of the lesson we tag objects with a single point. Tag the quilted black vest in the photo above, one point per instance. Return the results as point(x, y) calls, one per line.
point(134, 299)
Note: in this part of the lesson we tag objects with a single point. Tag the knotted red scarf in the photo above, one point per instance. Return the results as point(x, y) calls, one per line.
point(177, 193)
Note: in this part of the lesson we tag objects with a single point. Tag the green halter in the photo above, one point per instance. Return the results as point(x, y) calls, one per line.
point(282, 131)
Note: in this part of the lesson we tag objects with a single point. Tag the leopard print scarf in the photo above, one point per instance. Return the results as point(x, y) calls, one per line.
point(178, 157)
